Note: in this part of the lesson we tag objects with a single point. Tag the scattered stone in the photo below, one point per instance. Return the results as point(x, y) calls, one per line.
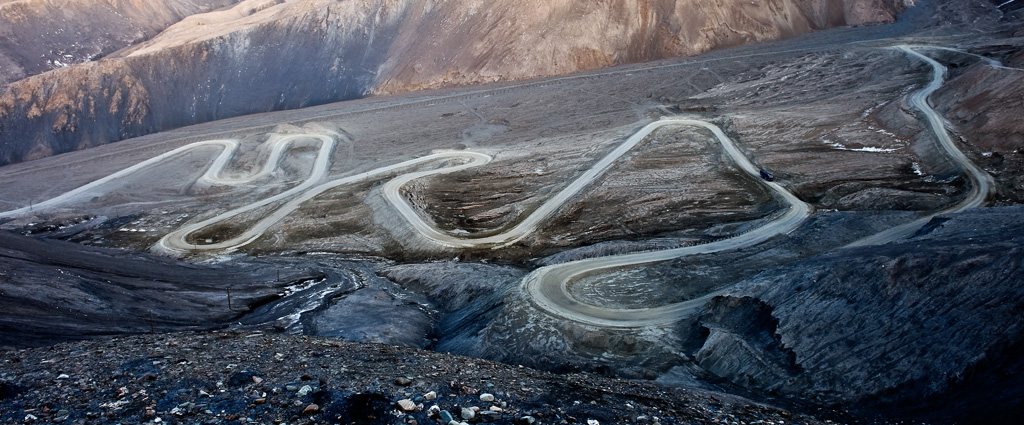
point(63, 376)
point(312, 409)
point(291, 388)
point(430, 396)
point(446, 417)
point(260, 401)
point(406, 405)
point(403, 381)
point(433, 412)
point(257, 380)
point(487, 397)
point(497, 409)
point(593, 422)
point(489, 416)
point(306, 389)
point(468, 413)
point(527, 420)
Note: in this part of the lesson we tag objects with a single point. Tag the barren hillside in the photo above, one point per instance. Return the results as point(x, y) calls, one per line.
point(263, 55)
point(41, 35)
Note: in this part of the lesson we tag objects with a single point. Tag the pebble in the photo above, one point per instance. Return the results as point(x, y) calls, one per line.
point(430, 396)
point(257, 380)
point(486, 397)
point(306, 389)
point(489, 416)
point(403, 381)
point(468, 414)
point(434, 411)
point(446, 417)
point(63, 376)
point(312, 409)
point(593, 422)
point(291, 388)
point(527, 420)
point(406, 405)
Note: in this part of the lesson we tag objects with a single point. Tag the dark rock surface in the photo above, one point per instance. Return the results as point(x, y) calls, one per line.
point(931, 327)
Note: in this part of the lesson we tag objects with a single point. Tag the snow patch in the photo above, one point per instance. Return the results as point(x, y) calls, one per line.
point(841, 147)
point(917, 168)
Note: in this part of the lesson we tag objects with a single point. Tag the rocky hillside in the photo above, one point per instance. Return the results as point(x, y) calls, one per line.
point(40, 35)
point(263, 55)
point(930, 328)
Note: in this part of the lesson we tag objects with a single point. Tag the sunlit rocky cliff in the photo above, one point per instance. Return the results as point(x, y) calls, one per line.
point(263, 55)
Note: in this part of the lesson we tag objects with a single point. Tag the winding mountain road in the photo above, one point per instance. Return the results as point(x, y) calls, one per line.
point(982, 184)
point(392, 190)
point(548, 287)
point(177, 241)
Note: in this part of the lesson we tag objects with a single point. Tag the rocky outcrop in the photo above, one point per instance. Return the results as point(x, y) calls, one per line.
point(41, 35)
point(928, 328)
point(270, 55)
point(54, 291)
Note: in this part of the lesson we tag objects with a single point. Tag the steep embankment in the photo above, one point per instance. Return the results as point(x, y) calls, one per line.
point(905, 327)
point(264, 55)
point(40, 35)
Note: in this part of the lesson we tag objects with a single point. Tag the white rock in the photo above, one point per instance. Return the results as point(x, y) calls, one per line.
point(406, 405)
point(430, 396)
point(468, 414)
point(486, 397)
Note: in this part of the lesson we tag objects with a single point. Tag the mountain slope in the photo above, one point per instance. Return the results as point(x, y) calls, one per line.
point(264, 55)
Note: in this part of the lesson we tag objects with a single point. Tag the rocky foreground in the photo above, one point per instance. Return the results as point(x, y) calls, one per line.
point(232, 377)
